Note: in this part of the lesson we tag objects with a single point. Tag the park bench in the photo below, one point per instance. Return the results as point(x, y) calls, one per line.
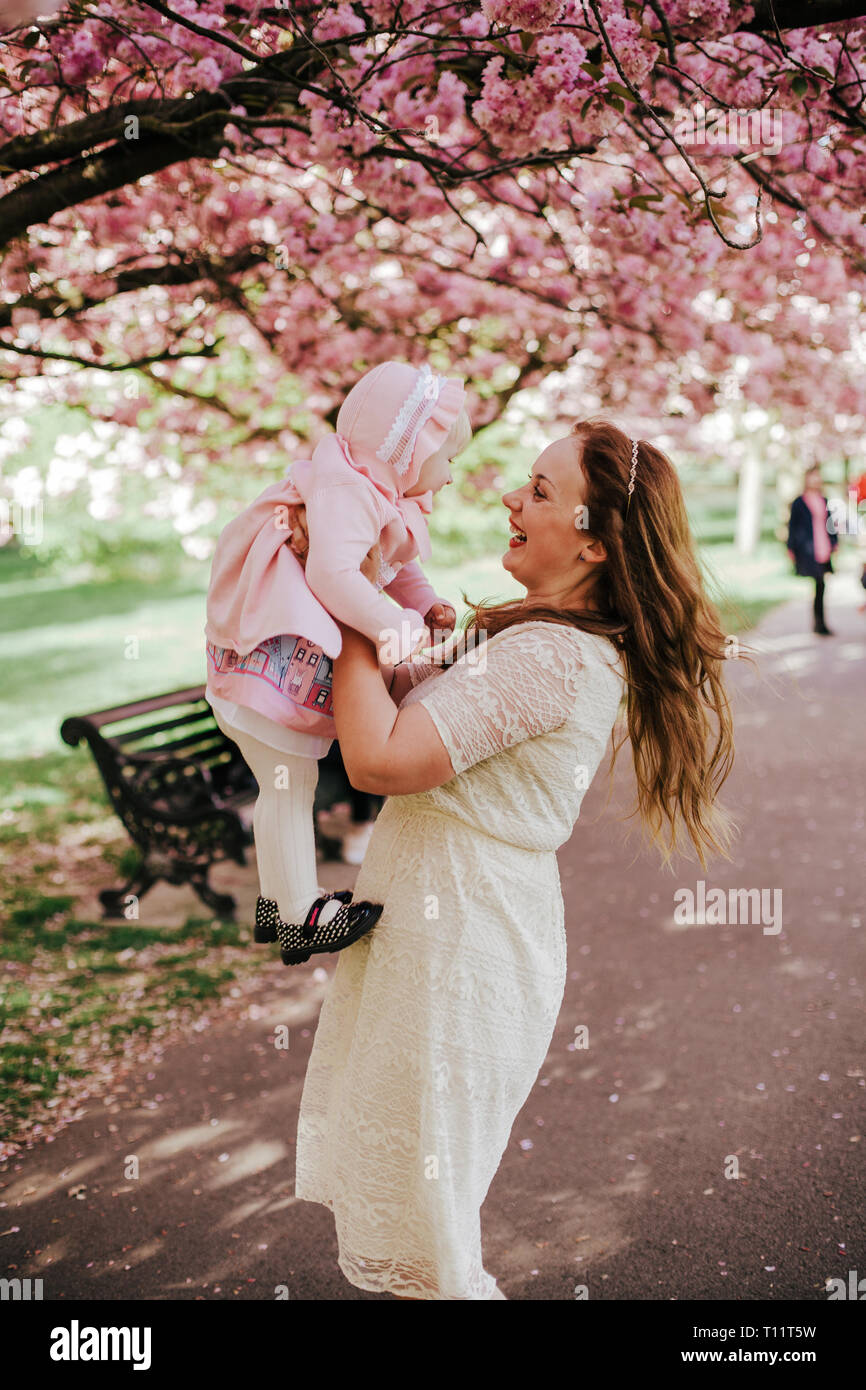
point(180, 787)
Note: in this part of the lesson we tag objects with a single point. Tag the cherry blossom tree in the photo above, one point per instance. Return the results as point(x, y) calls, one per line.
point(215, 214)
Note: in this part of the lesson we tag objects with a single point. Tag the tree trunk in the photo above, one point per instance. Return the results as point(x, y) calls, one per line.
point(749, 500)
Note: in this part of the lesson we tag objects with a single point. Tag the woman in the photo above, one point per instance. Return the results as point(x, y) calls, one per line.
point(811, 541)
point(437, 1022)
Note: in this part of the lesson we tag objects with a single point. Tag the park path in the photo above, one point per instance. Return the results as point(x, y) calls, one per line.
point(705, 1042)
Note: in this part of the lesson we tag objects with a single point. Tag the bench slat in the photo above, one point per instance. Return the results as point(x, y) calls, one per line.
point(126, 736)
point(188, 696)
point(196, 748)
point(207, 736)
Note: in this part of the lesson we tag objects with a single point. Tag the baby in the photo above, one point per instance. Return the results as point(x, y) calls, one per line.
point(356, 515)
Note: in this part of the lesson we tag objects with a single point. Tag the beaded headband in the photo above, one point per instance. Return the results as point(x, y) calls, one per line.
point(631, 474)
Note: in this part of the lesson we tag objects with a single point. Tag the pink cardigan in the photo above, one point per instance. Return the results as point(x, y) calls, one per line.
point(259, 588)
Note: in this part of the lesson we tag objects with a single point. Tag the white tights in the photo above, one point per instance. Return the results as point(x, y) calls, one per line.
point(283, 827)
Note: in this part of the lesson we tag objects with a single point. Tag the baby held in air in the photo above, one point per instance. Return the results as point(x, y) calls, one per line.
point(355, 513)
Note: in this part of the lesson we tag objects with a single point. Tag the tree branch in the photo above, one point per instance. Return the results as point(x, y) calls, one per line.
point(46, 146)
point(206, 350)
point(90, 177)
point(56, 307)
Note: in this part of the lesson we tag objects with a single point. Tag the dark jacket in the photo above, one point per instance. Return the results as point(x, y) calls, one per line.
point(801, 540)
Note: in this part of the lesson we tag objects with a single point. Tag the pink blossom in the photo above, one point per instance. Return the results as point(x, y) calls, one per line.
point(82, 58)
point(334, 23)
point(634, 54)
point(532, 15)
point(818, 160)
point(646, 299)
point(206, 75)
point(563, 54)
point(450, 97)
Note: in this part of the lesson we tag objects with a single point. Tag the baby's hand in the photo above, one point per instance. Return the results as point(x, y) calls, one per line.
point(441, 618)
point(299, 541)
point(439, 621)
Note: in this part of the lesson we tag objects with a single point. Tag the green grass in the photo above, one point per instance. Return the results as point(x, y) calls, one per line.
point(77, 989)
point(70, 649)
point(40, 795)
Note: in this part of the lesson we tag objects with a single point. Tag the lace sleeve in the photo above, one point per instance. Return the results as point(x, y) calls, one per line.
point(521, 683)
point(421, 668)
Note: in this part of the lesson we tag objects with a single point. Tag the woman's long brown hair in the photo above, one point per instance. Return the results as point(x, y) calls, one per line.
point(652, 605)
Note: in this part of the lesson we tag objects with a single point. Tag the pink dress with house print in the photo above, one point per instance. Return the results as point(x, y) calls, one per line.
point(285, 678)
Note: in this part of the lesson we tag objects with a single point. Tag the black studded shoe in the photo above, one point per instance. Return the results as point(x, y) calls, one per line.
point(267, 916)
point(354, 920)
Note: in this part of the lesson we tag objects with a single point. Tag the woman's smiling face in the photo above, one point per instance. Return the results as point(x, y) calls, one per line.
point(549, 526)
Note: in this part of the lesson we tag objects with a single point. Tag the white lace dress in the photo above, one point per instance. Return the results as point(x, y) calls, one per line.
point(437, 1022)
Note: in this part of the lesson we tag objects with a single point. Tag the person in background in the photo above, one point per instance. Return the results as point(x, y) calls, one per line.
point(860, 496)
point(811, 541)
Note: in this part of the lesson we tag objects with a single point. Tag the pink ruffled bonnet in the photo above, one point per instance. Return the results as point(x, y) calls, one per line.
point(395, 418)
